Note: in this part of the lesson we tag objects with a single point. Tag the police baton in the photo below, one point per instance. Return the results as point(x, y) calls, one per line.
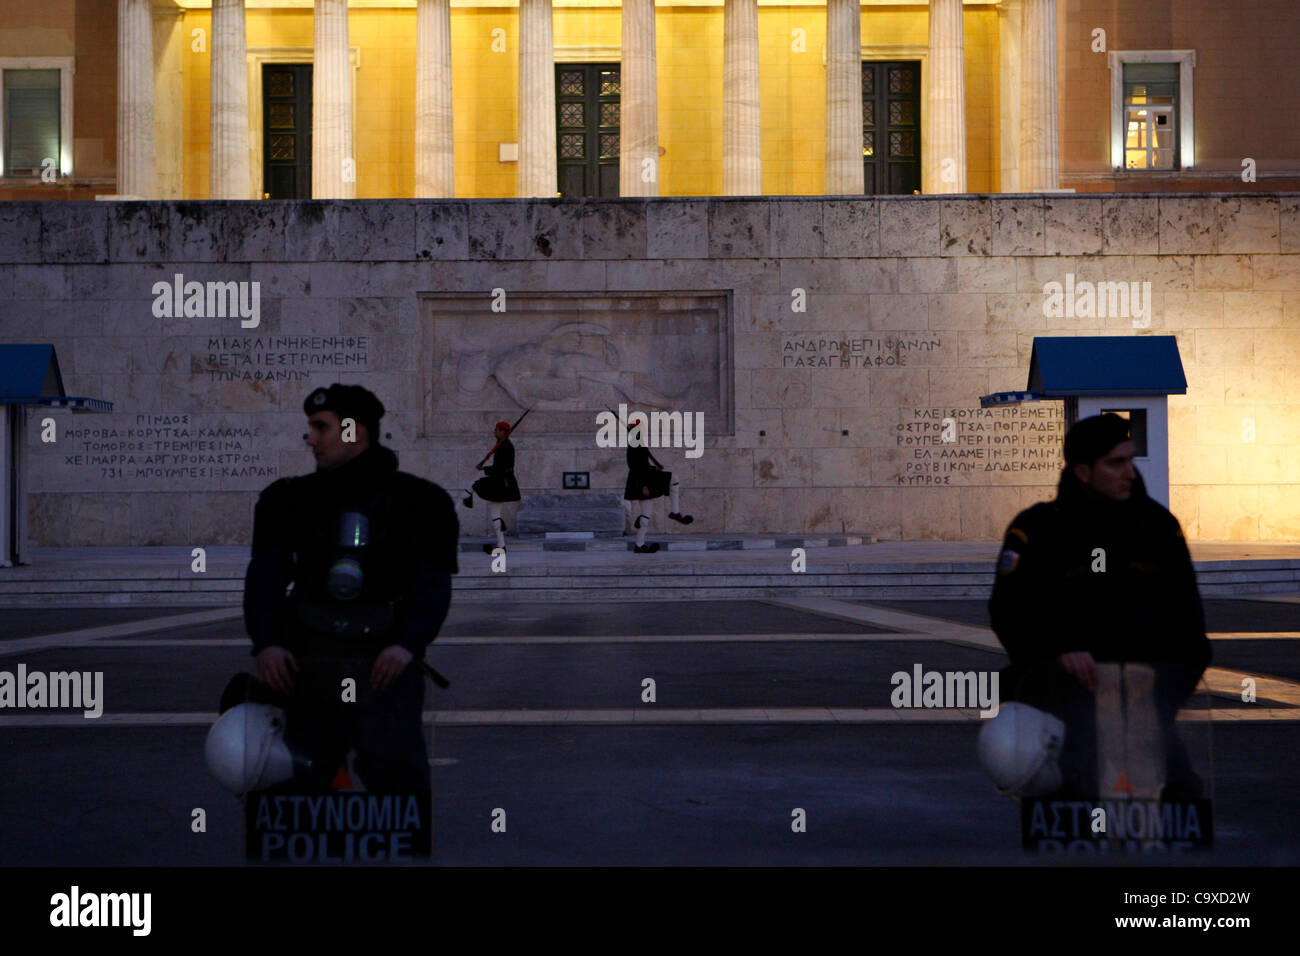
point(435, 676)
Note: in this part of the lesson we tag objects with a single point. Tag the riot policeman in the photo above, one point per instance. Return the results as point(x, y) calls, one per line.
point(369, 552)
point(1101, 573)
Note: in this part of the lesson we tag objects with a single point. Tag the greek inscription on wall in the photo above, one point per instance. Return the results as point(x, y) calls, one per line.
point(887, 351)
point(280, 358)
point(964, 445)
point(175, 447)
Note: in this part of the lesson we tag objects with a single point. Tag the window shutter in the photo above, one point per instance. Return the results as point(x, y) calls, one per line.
point(1150, 72)
point(31, 120)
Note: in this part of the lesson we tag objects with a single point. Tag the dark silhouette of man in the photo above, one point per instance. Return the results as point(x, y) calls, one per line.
point(1101, 573)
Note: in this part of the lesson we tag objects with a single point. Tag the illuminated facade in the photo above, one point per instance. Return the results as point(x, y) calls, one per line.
point(488, 99)
point(775, 271)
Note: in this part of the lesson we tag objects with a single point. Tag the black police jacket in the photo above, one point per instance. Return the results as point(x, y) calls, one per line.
point(1051, 594)
point(407, 564)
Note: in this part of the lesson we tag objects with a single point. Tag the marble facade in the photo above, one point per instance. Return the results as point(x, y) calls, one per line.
point(825, 340)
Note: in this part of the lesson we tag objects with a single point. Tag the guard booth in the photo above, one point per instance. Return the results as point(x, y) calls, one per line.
point(1129, 375)
point(29, 375)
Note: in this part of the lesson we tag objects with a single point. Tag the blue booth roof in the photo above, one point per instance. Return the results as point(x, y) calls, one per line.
point(29, 375)
point(1074, 365)
point(1106, 365)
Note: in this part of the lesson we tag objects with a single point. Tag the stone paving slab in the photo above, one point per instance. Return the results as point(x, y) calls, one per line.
point(699, 566)
point(528, 543)
point(230, 560)
point(681, 793)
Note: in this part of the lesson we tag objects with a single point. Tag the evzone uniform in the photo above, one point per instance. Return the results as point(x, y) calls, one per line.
point(646, 481)
point(498, 483)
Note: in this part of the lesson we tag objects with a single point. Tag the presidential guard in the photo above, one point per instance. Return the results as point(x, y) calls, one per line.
point(368, 552)
point(498, 484)
point(647, 480)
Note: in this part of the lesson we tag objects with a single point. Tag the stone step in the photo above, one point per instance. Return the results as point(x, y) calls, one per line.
point(552, 594)
point(675, 569)
point(689, 568)
point(570, 511)
point(639, 583)
point(481, 579)
point(533, 543)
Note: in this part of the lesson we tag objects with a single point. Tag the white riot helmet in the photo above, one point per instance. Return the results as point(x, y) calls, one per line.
point(1020, 749)
point(245, 749)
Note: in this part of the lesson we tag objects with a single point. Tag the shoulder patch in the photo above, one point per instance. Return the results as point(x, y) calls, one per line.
point(1019, 534)
point(1007, 561)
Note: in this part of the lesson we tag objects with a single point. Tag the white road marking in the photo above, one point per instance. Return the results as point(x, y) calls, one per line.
point(910, 627)
point(938, 634)
point(169, 642)
point(903, 625)
point(1228, 683)
point(1219, 681)
point(26, 645)
point(557, 639)
point(936, 628)
point(1254, 635)
point(646, 716)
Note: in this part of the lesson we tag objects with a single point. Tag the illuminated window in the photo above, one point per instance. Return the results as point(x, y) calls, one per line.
point(1151, 109)
point(1150, 115)
point(36, 116)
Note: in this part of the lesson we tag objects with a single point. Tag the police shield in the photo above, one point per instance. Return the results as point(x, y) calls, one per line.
point(1132, 773)
point(347, 823)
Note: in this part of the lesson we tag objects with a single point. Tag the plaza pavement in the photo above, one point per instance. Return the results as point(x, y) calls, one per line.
point(763, 706)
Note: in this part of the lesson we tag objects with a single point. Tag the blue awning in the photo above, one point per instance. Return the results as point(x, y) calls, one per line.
point(29, 375)
point(1106, 365)
point(1077, 365)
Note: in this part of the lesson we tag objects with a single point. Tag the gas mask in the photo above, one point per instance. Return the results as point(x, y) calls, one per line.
point(345, 575)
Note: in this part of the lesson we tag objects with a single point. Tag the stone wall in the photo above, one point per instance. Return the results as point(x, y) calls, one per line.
point(825, 341)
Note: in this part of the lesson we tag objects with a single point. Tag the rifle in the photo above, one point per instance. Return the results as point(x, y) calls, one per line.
point(646, 446)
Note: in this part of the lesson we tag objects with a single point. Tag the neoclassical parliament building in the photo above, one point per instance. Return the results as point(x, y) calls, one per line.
point(838, 231)
point(294, 99)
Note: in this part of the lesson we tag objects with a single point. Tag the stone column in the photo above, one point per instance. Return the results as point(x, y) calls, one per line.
point(228, 156)
point(435, 167)
point(944, 152)
point(638, 155)
point(537, 160)
point(1009, 93)
point(1040, 162)
point(844, 172)
point(135, 137)
point(171, 45)
point(742, 169)
point(333, 167)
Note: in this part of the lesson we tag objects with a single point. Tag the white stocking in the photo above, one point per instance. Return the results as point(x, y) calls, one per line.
point(494, 513)
point(643, 522)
